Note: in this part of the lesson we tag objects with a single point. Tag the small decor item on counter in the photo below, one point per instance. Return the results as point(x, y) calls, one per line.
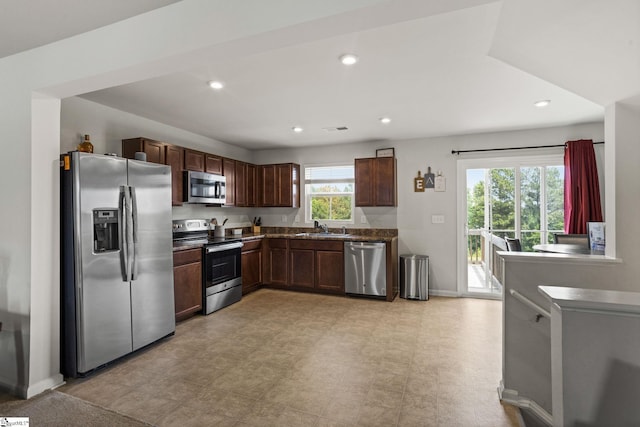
point(255, 226)
point(219, 231)
point(140, 155)
point(418, 183)
point(86, 145)
point(429, 179)
point(597, 239)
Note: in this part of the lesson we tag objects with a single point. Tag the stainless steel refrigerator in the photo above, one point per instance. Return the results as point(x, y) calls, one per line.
point(116, 259)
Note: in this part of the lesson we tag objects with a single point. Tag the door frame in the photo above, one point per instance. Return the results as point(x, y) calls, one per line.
point(461, 236)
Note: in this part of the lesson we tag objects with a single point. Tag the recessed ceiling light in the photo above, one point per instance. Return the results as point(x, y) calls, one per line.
point(385, 120)
point(216, 85)
point(348, 59)
point(542, 103)
point(297, 129)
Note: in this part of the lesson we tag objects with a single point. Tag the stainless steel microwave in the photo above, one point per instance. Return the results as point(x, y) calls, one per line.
point(202, 187)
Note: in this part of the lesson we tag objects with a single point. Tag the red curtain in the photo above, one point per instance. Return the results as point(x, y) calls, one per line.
point(581, 187)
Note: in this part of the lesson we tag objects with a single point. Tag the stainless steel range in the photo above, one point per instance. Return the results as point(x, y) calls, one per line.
point(222, 266)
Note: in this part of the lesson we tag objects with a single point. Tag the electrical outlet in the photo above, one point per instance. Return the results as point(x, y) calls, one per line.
point(437, 219)
point(284, 218)
point(297, 218)
point(363, 219)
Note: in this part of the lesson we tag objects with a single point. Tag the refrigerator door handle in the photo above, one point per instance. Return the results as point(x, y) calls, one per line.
point(124, 248)
point(134, 234)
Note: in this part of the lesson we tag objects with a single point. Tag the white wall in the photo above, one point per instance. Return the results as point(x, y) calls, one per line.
point(108, 127)
point(412, 217)
point(145, 46)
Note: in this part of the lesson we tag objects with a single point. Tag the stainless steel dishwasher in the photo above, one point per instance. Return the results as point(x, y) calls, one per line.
point(365, 268)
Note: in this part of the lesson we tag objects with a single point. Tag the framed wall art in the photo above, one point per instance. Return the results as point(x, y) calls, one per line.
point(385, 152)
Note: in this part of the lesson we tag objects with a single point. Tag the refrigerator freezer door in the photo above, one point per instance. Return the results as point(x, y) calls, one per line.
point(103, 325)
point(152, 304)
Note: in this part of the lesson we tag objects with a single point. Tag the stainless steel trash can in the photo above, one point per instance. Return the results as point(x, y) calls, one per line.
point(414, 277)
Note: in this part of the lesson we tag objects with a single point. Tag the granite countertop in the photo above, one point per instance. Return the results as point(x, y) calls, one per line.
point(282, 233)
point(318, 236)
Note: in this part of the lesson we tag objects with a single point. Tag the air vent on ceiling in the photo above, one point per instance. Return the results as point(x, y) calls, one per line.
point(335, 128)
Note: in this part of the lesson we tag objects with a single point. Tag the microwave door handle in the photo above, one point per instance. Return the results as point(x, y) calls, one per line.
point(124, 250)
point(133, 234)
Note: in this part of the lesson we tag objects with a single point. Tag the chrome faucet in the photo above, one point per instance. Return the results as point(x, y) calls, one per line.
point(344, 230)
point(324, 227)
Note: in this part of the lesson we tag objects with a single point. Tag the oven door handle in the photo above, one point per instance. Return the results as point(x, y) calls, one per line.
point(220, 248)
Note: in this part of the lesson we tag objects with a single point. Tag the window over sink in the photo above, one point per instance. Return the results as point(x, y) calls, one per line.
point(329, 193)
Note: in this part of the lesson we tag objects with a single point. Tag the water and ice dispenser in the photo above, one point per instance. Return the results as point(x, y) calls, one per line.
point(105, 230)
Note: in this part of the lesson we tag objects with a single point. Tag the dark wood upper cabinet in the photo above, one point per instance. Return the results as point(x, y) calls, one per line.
point(213, 164)
point(375, 180)
point(153, 149)
point(252, 185)
point(229, 172)
point(267, 178)
point(247, 185)
point(193, 160)
point(364, 183)
point(241, 183)
point(280, 185)
point(174, 157)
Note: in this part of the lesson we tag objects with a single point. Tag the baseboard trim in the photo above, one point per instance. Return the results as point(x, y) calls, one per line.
point(46, 384)
point(439, 293)
point(513, 398)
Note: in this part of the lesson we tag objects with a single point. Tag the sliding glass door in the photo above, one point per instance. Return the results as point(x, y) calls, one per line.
point(516, 197)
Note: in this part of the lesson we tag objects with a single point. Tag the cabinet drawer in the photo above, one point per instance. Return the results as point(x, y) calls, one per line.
point(187, 257)
point(322, 245)
point(251, 245)
point(278, 243)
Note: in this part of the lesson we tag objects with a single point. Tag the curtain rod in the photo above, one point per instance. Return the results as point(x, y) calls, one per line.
point(513, 148)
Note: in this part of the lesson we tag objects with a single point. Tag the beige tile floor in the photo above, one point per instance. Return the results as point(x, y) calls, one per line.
point(281, 358)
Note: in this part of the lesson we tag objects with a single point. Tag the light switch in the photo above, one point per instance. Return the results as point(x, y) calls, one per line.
point(363, 219)
point(437, 219)
point(284, 218)
point(297, 218)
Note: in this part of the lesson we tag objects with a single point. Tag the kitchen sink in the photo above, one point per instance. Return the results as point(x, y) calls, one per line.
point(327, 235)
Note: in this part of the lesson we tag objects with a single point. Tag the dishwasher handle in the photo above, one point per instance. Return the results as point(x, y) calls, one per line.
point(365, 246)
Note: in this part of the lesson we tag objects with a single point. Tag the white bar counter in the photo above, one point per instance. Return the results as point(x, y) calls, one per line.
point(595, 356)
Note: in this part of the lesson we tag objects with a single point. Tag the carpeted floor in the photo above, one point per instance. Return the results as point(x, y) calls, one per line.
point(52, 408)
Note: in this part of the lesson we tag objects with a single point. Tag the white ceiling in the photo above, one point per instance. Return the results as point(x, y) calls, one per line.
point(26, 24)
point(432, 74)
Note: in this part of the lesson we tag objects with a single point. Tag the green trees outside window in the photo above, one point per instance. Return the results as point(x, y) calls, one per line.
point(329, 193)
point(332, 203)
point(541, 203)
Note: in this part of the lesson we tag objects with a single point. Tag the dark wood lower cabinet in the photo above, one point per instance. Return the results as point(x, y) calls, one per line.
point(187, 282)
point(301, 267)
point(277, 262)
point(316, 265)
point(251, 266)
point(330, 270)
